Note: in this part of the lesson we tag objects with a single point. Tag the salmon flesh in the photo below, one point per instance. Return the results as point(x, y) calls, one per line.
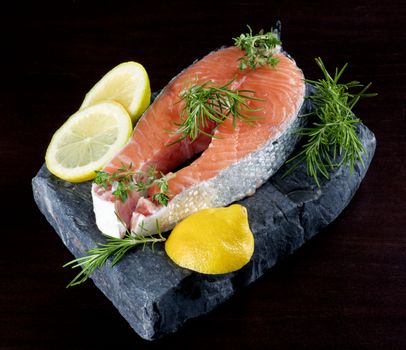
point(228, 166)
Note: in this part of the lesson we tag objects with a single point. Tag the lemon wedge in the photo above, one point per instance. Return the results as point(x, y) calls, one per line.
point(212, 241)
point(87, 141)
point(127, 84)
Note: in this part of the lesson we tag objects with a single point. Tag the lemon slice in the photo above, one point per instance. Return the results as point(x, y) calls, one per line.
point(127, 84)
point(87, 141)
point(212, 241)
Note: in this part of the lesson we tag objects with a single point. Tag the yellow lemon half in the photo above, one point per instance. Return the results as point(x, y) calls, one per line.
point(87, 141)
point(127, 84)
point(212, 241)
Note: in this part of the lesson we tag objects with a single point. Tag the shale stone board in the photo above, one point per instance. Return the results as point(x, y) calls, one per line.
point(154, 295)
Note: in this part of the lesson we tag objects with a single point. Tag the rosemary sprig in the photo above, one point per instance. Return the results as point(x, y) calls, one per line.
point(115, 248)
point(208, 103)
point(331, 140)
point(258, 48)
point(126, 179)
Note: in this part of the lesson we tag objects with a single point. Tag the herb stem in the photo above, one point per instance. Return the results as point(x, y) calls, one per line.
point(115, 248)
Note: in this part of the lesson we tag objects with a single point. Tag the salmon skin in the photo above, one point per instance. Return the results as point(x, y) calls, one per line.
point(233, 163)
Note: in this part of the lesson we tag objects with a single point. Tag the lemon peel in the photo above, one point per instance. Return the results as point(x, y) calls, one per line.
point(212, 241)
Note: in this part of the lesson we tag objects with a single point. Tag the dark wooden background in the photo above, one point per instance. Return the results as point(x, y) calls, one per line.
point(344, 290)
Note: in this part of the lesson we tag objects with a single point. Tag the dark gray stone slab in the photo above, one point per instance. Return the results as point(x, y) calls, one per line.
point(154, 295)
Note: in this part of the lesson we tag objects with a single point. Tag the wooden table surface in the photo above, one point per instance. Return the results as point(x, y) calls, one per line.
point(345, 289)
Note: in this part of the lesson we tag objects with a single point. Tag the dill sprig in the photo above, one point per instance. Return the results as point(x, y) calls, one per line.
point(207, 103)
point(259, 49)
point(115, 248)
point(331, 140)
point(126, 179)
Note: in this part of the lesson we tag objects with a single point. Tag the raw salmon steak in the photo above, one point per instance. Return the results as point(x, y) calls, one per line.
point(226, 167)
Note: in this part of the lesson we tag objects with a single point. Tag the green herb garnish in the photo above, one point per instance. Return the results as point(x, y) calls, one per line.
point(125, 179)
point(331, 140)
point(122, 180)
point(114, 247)
point(163, 195)
point(258, 49)
point(207, 103)
point(144, 181)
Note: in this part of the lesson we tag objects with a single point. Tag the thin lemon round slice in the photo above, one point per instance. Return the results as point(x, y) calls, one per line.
point(212, 241)
point(87, 141)
point(127, 84)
